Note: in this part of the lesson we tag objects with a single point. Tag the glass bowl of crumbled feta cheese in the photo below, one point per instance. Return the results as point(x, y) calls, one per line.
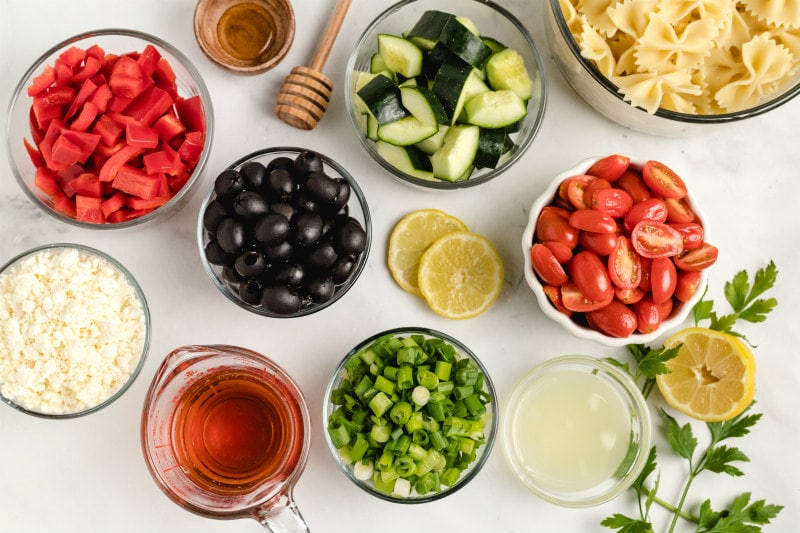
point(74, 330)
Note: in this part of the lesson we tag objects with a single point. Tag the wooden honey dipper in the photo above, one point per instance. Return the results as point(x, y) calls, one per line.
point(306, 91)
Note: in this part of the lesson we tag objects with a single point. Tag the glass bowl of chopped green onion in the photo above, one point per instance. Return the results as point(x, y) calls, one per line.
point(445, 95)
point(411, 415)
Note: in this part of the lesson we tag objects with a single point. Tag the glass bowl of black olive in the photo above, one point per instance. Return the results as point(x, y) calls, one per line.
point(284, 232)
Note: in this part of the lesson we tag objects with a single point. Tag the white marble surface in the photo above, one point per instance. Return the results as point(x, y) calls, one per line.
point(88, 474)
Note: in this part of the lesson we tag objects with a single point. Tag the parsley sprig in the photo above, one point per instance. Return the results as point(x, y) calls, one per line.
point(741, 515)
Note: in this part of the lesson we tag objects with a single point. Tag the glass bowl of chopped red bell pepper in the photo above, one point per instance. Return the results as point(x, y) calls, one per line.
point(109, 128)
point(411, 415)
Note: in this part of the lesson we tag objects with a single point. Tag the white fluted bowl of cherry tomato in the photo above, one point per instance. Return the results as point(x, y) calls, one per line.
point(109, 129)
point(615, 250)
point(284, 232)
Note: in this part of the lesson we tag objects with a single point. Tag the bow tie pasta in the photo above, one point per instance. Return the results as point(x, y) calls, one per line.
point(690, 56)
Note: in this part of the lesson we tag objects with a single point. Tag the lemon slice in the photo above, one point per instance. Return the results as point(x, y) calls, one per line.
point(460, 275)
point(410, 238)
point(713, 376)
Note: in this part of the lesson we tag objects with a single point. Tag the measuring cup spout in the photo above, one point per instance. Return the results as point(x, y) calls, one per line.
point(281, 515)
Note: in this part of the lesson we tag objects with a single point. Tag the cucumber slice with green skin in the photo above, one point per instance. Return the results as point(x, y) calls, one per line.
point(406, 159)
point(467, 22)
point(452, 161)
point(438, 56)
point(495, 109)
point(493, 43)
point(363, 123)
point(506, 70)
point(382, 98)
point(435, 141)
point(372, 127)
point(406, 131)
point(376, 63)
point(492, 143)
point(454, 85)
point(423, 104)
point(465, 44)
point(428, 28)
point(400, 55)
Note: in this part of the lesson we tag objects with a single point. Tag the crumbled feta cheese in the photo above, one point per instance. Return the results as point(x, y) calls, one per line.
point(72, 329)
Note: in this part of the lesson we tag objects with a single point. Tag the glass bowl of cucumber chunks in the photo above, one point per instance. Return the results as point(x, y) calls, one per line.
point(445, 94)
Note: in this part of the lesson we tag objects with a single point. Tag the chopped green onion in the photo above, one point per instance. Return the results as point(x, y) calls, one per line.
point(404, 465)
point(401, 412)
point(443, 369)
point(362, 470)
point(427, 379)
point(415, 422)
point(405, 377)
point(380, 403)
point(384, 462)
point(384, 385)
point(462, 391)
point(466, 375)
point(380, 432)
point(474, 405)
point(450, 476)
point(390, 372)
point(402, 488)
point(438, 440)
point(420, 395)
point(359, 447)
point(339, 435)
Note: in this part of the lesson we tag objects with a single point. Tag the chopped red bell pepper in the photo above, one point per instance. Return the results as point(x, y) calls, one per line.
point(153, 203)
point(63, 204)
point(87, 142)
point(163, 161)
point(34, 154)
point(126, 86)
point(72, 57)
point(84, 93)
point(86, 118)
point(110, 130)
point(190, 111)
point(192, 147)
point(113, 203)
point(42, 81)
point(89, 209)
point(169, 127)
point(87, 184)
point(136, 183)
point(141, 136)
point(149, 105)
point(148, 60)
point(102, 96)
point(90, 67)
point(45, 179)
point(112, 165)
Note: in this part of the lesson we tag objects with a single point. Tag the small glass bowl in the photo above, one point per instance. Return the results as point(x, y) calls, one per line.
point(679, 311)
point(357, 208)
point(567, 478)
point(490, 430)
point(140, 300)
point(117, 41)
point(492, 20)
point(603, 95)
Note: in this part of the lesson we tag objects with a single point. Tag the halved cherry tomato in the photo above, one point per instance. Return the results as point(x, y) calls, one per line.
point(624, 264)
point(648, 315)
point(697, 259)
point(590, 275)
point(560, 211)
point(656, 239)
point(546, 265)
point(647, 263)
point(632, 183)
point(554, 295)
point(650, 209)
point(600, 243)
point(688, 283)
point(665, 308)
point(561, 251)
point(610, 167)
point(615, 319)
point(597, 184)
point(691, 233)
point(663, 181)
point(551, 227)
point(679, 210)
point(575, 189)
point(591, 220)
point(629, 296)
point(574, 300)
point(612, 202)
point(663, 279)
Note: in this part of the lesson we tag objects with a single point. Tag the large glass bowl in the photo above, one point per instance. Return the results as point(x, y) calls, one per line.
point(603, 95)
point(356, 207)
point(481, 453)
point(43, 378)
point(492, 20)
point(112, 41)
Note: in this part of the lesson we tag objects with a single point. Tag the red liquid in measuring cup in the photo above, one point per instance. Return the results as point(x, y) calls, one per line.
point(236, 429)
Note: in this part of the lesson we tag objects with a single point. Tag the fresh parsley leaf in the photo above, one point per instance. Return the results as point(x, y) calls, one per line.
point(706, 516)
point(652, 363)
point(742, 517)
point(757, 312)
point(739, 426)
point(649, 468)
point(702, 310)
point(764, 280)
point(680, 438)
point(624, 524)
point(723, 323)
point(719, 458)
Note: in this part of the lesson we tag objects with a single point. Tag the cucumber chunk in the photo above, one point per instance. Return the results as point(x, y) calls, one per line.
point(406, 131)
point(495, 109)
point(406, 159)
point(423, 104)
point(464, 43)
point(382, 98)
point(506, 70)
point(428, 28)
point(376, 63)
point(435, 141)
point(454, 85)
point(400, 55)
point(452, 161)
point(492, 144)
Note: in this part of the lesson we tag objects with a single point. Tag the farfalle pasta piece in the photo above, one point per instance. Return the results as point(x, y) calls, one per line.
point(570, 16)
point(595, 48)
point(596, 13)
point(737, 30)
point(663, 49)
point(678, 11)
point(767, 64)
point(630, 16)
point(784, 13)
point(719, 69)
point(647, 89)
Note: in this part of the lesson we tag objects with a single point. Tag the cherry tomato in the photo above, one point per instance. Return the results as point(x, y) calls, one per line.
point(552, 227)
point(574, 300)
point(688, 283)
point(644, 284)
point(590, 275)
point(612, 202)
point(600, 243)
point(547, 266)
point(663, 279)
point(663, 181)
point(648, 315)
point(697, 259)
point(624, 264)
point(554, 295)
point(610, 167)
point(679, 210)
point(632, 183)
point(561, 251)
point(665, 308)
point(591, 220)
point(629, 296)
point(563, 212)
point(691, 233)
point(656, 239)
point(597, 184)
point(615, 319)
point(650, 209)
point(575, 189)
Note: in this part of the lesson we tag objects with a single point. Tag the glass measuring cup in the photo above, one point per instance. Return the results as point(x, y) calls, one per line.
point(225, 434)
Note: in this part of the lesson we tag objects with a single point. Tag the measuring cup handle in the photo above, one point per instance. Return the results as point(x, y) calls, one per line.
point(281, 515)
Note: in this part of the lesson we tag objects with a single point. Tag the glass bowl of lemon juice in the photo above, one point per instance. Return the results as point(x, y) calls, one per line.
point(576, 431)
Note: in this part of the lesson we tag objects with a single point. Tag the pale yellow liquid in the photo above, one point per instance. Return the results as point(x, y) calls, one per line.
point(570, 431)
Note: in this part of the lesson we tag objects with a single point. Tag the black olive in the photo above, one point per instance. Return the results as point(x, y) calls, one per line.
point(282, 208)
point(342, 269)
point(281, 162)
point(254, 174)
point(251, 292)
point(307, 228)
point(342, 193)
point(278, 253)
point(271, 229)
point(250, 264)
point(230, 235)
point(350, 237)
point(229, 183)
point(304, 202)
point(291, 274)
point(280, 183)
point(249, 204)
point(214, 212)
point(280, 299)
point(307, 162)
point(215, 254)
point(321, 289)
point(321, 187)
point(231, 278)
point(322, 256)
